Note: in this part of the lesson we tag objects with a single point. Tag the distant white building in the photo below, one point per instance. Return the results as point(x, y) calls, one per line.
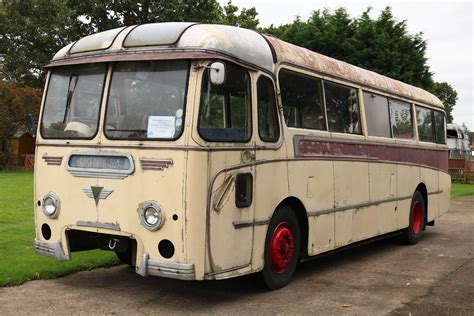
point(458, 141)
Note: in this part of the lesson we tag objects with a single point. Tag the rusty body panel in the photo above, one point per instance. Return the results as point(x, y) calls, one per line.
point(429, 157)
point(289, 53)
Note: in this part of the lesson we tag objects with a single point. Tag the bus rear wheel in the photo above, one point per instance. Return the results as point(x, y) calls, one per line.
point(413, 232)
point(282, 248)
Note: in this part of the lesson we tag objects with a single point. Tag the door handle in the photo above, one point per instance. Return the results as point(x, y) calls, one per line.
point(247, 156)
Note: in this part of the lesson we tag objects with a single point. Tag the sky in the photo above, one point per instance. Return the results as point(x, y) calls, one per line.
point(446, 25)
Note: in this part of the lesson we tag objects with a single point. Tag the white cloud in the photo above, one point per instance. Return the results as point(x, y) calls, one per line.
point(446, 25)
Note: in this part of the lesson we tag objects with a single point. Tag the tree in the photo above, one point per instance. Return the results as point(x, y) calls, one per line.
point(382, 45)
point(247, 18)
point(447, 95)
point(31, 32)
point(15, 103)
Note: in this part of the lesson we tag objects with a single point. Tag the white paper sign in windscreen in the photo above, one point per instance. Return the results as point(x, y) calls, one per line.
point(161, 127)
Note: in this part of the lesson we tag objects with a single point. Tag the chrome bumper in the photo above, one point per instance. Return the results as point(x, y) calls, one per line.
point(182, 271)
point(50, 249)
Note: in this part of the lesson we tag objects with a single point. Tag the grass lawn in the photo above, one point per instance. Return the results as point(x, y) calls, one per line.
point(18, 261)
point(461, 189)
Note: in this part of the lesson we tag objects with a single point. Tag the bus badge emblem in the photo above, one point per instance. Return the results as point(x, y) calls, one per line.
point(97, 193)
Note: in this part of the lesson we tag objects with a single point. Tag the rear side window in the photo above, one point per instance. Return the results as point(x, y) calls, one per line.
point(440, 127)
point(342, 108)
point(377, 115)
point(400, 117)
point(301, 96)
point(424, 121)
point(268, 127)
point(224, 113)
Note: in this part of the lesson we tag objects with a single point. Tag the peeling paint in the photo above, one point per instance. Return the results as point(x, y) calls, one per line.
point(289, 53)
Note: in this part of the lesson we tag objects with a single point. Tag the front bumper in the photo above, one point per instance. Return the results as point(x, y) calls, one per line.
point(50, 249)
point(182, 271)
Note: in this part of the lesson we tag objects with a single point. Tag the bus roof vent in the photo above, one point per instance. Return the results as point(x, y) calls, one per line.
point(97, 41)
point(156, 34)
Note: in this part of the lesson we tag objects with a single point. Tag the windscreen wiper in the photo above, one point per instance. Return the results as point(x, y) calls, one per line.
point(70, 91)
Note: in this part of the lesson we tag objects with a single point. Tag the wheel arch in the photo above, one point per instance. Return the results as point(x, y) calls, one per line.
point(298, 207)
point(424, 193)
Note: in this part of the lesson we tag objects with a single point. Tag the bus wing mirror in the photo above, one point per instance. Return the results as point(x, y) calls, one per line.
point(30, 125)
point(217, 73)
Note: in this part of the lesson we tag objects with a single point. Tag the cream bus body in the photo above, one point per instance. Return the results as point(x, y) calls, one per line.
point(217, 197)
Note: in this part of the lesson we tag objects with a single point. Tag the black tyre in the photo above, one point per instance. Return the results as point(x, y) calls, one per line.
point(413, 232)
point(282, 249)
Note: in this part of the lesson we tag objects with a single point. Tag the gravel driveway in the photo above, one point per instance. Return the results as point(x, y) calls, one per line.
point(436, 276)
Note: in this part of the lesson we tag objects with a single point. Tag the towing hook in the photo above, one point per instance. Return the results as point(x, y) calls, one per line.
point(113, 243)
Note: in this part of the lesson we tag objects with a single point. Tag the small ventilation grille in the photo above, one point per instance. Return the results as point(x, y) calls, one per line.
point(155, 164)
point(53, 160)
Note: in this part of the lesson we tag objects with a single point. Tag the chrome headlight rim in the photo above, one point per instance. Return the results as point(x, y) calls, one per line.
point(150, 206)
point(56, 202)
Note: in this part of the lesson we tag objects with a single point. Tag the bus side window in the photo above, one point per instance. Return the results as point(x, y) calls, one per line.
point(224, 113)
point(342, 108)
point(424, 118)
point(377, 115)
point(301, 96)
point(268, 127)
point(440, 127)
point(401, 119)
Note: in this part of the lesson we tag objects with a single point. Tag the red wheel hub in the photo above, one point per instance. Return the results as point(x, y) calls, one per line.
point(282, 248)
point(416, 217)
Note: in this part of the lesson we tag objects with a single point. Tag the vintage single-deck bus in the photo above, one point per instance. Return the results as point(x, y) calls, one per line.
point(204, 152)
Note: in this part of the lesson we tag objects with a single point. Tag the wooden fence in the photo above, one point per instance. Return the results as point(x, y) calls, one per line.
point(461, 170)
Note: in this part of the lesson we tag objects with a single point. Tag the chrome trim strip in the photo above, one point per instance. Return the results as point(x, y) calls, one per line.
point(227, 270)
point(182, 271)
point(217, 204)
point(104, 193)
point(142, 270)
point(50, 249)
point(435, 192)
point(356, 206)
point(100, 173)
point(112, 226)
point(155, 164)
point(250, 223)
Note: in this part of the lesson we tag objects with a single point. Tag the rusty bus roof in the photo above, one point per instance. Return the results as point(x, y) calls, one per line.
point(264, 52)
point(299, 56)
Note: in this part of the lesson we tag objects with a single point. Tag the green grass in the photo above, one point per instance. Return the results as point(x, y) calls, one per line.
point(18, 261)
point(461, 189)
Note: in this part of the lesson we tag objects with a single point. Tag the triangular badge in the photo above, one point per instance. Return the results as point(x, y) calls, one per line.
point(96, 193)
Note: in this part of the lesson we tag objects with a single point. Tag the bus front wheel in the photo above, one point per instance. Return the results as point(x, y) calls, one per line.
point(413, 232)
point(282, 248)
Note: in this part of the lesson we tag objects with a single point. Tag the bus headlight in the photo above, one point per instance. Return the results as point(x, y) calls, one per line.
point(51, 205)
point(151, 216)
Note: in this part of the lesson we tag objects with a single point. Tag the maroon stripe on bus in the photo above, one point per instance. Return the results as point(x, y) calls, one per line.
point(433, 158)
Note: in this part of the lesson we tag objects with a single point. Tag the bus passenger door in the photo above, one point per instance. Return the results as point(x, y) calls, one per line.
point(231, 214)
point(225, 127)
